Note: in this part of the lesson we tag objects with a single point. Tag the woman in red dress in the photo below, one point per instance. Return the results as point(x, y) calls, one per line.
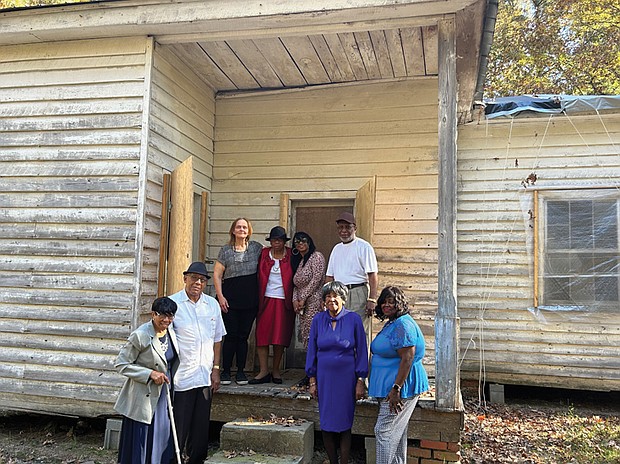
point(276, 319)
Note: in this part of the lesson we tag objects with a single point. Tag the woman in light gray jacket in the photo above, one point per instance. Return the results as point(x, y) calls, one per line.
point(148, 360)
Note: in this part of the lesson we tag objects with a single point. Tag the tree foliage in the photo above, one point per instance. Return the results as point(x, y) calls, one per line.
point(555, 47)
point(29, 3)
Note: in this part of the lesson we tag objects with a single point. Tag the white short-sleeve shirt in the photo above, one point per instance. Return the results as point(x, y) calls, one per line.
point(350, 262)
point(197, 326)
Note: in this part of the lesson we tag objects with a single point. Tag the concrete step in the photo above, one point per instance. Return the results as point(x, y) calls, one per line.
point(223, 457)
point(266, 437)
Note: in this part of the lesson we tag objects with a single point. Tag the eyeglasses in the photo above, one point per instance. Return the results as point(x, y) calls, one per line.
point(165, 316)
point(299, 240)
point(197, 278)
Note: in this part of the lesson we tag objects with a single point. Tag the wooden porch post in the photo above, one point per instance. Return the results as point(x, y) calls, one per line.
point(447, 376)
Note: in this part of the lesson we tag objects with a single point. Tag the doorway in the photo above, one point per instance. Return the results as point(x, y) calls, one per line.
point(317, 219)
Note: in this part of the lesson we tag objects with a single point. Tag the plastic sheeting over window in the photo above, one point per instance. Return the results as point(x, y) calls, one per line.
point(579, 250)
point(551, 104)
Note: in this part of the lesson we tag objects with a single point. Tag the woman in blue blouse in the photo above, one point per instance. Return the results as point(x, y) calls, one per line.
point(336, 364)
point(397, 376)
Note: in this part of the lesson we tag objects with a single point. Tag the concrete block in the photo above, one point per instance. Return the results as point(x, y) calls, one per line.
point(269, 438)
point(496, 393)
point(370, 443)
point(112, 436)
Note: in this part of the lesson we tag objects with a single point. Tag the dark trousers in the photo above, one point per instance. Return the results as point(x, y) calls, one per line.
point(192, 413)
point(238, 323)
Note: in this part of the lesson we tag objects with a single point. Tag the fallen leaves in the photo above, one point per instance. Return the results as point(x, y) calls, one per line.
point(234, 454)
point(276, 420)
point(496, 433)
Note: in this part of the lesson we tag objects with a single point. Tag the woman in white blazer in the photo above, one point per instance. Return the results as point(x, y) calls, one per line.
point(148, 360)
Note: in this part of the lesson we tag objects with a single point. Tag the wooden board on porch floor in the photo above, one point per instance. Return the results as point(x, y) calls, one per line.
point(234, 401)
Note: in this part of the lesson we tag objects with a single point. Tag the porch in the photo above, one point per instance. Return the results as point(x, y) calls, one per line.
point(427, 424)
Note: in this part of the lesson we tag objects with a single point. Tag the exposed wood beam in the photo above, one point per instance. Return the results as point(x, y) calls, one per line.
point(446, 320)
point(309, 28)
point(229, 19)
point(469, 25)
point(142, 186)
point(163, 236)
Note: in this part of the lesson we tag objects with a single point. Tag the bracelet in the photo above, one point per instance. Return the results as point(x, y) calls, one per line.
point(360, 379)
point(396, 387)
point(216, 366)
point(372, 300)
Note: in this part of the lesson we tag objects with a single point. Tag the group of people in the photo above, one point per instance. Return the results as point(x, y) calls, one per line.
point(174, 358)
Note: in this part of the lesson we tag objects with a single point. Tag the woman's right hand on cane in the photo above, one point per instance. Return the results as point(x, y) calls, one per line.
point(159, 378)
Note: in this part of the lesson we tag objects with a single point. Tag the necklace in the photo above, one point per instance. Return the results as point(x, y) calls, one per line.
point(276, 262)
point(163, 341)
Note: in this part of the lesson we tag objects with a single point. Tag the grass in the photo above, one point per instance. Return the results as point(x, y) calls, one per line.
point(590, 439)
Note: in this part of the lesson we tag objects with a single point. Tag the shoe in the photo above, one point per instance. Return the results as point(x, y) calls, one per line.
point(225, 378)
point(277, 380)
point(241, 378)
point(257, 381)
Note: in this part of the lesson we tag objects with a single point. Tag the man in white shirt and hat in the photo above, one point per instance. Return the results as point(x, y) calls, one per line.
point(354, 263)
point(199, 329)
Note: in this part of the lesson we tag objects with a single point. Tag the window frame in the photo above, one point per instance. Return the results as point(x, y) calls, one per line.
point(542, 198)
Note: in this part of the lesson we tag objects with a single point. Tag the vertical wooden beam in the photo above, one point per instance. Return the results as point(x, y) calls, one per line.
point(284, 211)
point(163, 237)
point(447, 377)
point(204, 214)
point(536, 265)
point(145, 133)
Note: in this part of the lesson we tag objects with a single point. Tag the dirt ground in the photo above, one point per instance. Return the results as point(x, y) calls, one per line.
point(542, 426)
point(33, 438)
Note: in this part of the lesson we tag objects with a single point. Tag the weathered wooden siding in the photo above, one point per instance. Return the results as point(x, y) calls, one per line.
point(319, 141)
point(70, 117)
point(182, 116)
point(501, 340)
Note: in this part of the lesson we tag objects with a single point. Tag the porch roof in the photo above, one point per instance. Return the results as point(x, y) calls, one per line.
point(241, 45)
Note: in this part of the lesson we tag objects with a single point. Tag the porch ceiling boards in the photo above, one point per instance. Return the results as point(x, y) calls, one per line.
point(299, 61)
point(241, 45)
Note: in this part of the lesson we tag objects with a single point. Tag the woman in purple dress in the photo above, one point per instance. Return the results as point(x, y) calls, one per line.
point(337, 364)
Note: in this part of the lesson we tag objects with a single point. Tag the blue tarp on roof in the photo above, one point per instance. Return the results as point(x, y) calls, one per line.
point(554, 104)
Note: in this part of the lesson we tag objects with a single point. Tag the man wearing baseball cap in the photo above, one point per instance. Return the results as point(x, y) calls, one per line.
point(354, 263)
point(199, 329)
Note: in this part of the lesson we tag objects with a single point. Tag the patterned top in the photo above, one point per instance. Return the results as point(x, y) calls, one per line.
point(309, 277)
point(308, 281)
point(240, 263)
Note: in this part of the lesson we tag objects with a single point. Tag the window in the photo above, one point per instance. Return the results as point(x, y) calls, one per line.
point(580, 249)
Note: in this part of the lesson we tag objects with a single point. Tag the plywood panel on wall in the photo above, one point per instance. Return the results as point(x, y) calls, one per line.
point(314, 143)
point(519, 345)
point(71, 116)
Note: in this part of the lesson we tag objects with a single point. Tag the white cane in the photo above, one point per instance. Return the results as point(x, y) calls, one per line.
point(174, 428)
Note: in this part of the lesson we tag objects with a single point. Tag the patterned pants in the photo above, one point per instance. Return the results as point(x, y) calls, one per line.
point(391, 432)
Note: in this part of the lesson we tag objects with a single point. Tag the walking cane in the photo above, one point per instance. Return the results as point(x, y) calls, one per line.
point(174, 428)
